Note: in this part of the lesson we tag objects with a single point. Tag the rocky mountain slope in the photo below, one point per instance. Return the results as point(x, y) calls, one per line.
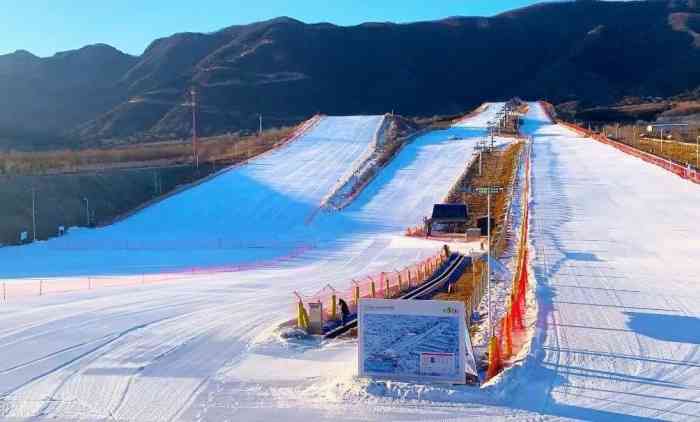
point(591, 51)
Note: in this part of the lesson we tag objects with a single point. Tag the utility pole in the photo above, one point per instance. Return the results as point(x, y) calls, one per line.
point(157, 185)
point(481, 146)
point(488, 191)
point(260, 128)
point(480, 154)
point(488, 260)
point(34, 212)
point(87, 211)
point(195, 155)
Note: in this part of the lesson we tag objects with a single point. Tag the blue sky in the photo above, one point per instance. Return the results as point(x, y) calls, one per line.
point(47, 26)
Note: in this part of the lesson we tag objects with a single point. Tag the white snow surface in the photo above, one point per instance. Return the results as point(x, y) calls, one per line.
point(615, 265)
point(255, 211)
point(166, 351)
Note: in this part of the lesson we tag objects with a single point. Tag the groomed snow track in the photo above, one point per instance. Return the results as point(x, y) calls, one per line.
point(614, 245)
point(182, 351)
point(256, 211)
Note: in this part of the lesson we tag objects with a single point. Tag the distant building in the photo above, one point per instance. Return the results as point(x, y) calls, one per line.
point(448, 217)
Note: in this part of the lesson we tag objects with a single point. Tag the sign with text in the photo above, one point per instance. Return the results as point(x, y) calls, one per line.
point(315, 318)
point(421, 340)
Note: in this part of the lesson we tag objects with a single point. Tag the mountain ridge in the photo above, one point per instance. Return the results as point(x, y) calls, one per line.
point(592, 51)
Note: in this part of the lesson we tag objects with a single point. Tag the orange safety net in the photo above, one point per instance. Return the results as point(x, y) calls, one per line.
point(510, 339)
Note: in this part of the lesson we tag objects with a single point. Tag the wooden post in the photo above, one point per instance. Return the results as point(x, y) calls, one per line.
point(334, 309)
point(469, 311)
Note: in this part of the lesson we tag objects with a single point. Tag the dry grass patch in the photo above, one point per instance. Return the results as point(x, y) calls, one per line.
point(219, 149)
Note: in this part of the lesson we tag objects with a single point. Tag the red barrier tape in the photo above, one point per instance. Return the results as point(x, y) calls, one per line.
point(685, 172)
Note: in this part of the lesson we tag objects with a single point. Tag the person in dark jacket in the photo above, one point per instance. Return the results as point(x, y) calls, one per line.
point(344, 310)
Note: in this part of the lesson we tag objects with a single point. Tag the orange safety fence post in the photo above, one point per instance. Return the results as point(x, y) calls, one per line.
point(516, 314)
point(507, 334)
point(495, 363)
point(523, 277)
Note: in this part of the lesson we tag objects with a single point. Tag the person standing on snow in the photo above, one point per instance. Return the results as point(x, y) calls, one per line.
point(344, 310)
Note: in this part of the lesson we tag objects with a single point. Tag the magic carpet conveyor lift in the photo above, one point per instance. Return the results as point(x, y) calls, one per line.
point(448, 274)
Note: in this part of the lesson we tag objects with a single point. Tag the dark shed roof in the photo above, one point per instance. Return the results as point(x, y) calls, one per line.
point(449, 213)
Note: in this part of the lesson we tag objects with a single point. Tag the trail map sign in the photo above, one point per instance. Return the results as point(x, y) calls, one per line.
point(316, 317)
point(422, 340)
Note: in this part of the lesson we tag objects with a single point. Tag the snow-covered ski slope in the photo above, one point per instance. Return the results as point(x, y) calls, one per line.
point(172, 351)
point(254, 211)
point(617, 337)
point(618, 246)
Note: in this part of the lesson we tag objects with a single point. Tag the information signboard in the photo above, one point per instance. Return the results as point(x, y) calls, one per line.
point(315, 318)
point(421, 340)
